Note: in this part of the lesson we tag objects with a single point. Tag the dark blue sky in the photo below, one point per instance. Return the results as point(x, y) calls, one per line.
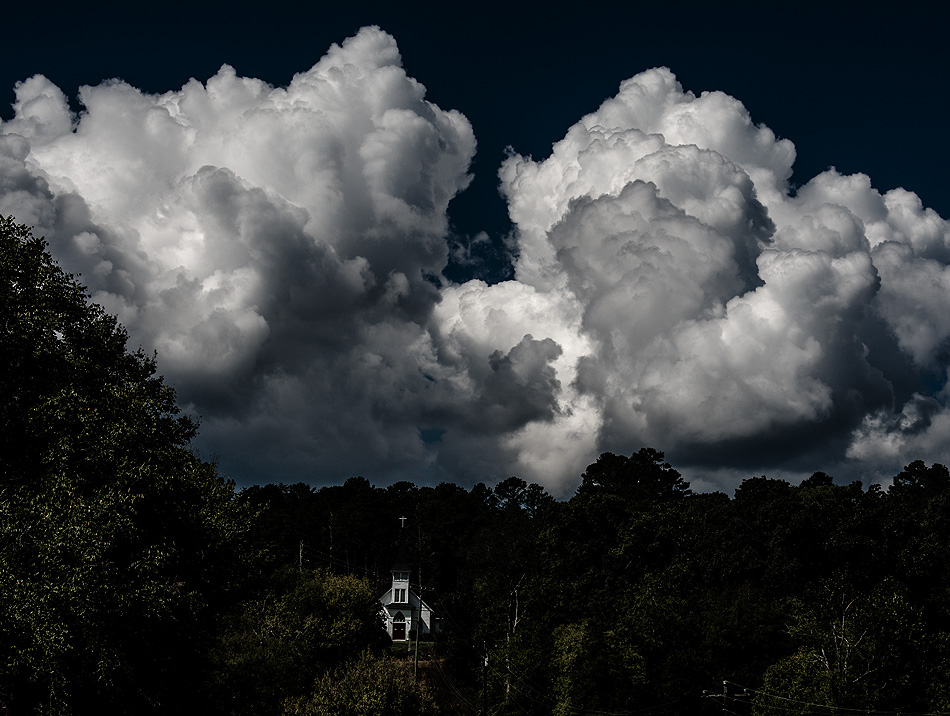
point(856, 87)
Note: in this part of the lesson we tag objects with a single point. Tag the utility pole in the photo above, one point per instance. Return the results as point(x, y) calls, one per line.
point(330, 561)
point(300, 558)
point(726, 696)
point(485, 681)
point(415, 661)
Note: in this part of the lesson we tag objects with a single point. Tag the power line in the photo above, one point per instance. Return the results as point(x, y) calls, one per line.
point(834, 709)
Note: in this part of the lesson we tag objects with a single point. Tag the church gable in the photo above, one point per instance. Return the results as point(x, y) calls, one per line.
point(403, 607)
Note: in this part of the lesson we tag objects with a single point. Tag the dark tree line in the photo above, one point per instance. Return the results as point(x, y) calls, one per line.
point(637, 595)
point(134, 579)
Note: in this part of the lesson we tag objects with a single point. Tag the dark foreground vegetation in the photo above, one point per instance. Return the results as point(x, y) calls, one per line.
point(134, 580)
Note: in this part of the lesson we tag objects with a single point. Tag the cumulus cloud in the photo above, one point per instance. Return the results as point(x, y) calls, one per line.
point(732, 320)
point(279, 247)
point(283, 250)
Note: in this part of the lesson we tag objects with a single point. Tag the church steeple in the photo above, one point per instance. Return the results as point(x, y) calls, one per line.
point(401, 569)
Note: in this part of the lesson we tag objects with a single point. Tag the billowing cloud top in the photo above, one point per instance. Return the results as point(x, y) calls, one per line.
point(282, 249)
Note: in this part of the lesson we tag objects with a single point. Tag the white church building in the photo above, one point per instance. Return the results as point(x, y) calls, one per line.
point(403, 608)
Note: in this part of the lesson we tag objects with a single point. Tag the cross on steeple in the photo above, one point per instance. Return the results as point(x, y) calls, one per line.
point(402, 522)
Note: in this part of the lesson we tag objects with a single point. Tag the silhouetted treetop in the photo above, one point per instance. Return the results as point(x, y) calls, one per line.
point(644, 476)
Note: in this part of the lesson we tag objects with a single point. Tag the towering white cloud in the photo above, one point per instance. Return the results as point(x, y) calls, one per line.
point(276, 246)
point(282, 249)
point(729, 319)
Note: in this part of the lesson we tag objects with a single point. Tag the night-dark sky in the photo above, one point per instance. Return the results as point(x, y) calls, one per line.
point(857, 86)
point(299, 262)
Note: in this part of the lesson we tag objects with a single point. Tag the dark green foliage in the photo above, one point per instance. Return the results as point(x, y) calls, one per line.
point(854, 651)
point(917, 480)
point(304, 623)
point(643, 476)
point(595, 669)
point(367, 686)
point(117, 544)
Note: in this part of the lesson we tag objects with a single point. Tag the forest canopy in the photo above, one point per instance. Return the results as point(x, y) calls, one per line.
point(116, 541)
